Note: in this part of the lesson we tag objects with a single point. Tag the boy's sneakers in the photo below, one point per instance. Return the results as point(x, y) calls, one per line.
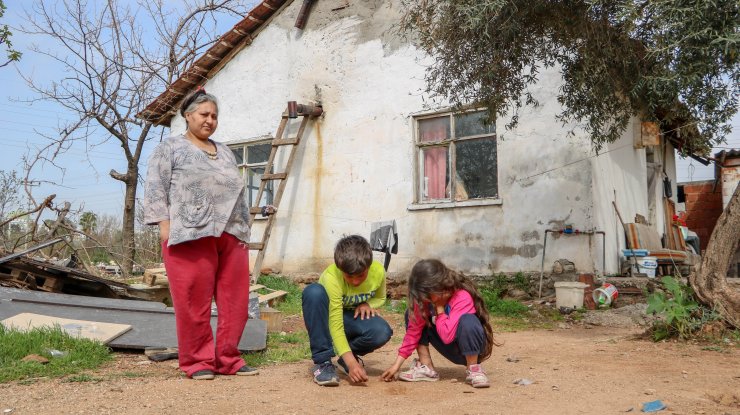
point(324, 374)
point(204, 374)
point(247, 371)
point(477, 377)
point(419, 373)
point(344, 366)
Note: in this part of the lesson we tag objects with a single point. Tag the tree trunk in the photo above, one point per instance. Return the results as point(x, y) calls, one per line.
point(129, 220)
point(710, 281)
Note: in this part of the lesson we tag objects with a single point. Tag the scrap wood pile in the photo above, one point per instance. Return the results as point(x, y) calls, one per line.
point(57, 277)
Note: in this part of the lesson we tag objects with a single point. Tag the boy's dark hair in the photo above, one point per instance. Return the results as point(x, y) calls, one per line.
point(353, 254)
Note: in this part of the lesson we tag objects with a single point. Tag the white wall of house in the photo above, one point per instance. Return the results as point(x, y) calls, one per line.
point(355, 165)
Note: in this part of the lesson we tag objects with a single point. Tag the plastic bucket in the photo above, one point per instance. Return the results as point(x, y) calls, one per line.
point(647, 265)
point(606, 294)
point(569, 294)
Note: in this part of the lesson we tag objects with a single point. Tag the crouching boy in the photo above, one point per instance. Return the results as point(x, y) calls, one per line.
point(340, 312)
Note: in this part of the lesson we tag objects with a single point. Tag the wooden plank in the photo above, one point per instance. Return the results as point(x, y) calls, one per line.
point(285, 142)
point(274, 176)
point(268, 298)
point(274, 319)
point(255, 287)
point(256, 246)
point(94, 330)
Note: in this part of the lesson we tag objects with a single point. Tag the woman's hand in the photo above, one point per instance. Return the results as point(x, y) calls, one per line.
point(164, 230)
point(365, 311)
point(390, 374)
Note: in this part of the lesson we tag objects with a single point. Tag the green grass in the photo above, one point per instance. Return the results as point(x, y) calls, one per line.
point(291, 303)
point(395, 306)
point(82, 378)
point(81, 354)
point(500, 307)
point(281, 348)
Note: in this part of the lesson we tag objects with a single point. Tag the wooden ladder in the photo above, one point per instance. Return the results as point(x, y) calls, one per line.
point(293, 111)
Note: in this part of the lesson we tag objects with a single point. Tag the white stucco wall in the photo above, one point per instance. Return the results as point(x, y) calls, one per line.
point(355, 163)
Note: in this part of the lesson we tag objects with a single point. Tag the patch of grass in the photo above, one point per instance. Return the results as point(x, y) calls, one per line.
point(281, 348)
point(80, 354)
point(130, 375)
point(719, 349)
point(82, 377)
point(291, 303)
point(500, 307)
point(396, 306)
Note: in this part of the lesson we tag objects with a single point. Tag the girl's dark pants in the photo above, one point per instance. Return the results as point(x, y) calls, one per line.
point(469, 340)
point(363, 336)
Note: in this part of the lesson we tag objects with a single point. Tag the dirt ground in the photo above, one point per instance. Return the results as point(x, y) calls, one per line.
point(575, 369)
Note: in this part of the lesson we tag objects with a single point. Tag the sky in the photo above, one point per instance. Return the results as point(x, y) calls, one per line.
point(83, 180)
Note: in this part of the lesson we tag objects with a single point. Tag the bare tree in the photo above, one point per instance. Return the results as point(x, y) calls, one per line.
point(115, 59)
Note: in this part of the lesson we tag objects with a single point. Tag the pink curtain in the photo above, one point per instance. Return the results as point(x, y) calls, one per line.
point(435, 172)
point(435, 158)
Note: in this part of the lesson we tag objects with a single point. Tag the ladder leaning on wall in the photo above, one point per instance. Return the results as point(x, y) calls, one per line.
point(293, 111)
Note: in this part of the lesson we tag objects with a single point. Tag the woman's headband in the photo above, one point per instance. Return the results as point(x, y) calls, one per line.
point(190, 98)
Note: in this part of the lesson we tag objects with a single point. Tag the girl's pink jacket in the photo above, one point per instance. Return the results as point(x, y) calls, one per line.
point(460, 303)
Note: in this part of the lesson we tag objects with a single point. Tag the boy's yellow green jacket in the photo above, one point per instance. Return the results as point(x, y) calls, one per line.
point(344, 296)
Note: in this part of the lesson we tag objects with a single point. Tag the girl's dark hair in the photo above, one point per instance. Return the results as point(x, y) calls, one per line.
point(432, 276)
point(195, 98)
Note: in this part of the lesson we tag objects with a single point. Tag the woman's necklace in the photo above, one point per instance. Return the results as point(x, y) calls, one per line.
point(213, 155)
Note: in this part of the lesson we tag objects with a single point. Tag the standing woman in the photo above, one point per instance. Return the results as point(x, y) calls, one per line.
point(194, 192)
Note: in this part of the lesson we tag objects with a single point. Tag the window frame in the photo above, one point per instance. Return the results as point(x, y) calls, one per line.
point(450, 143)
point(244, 167)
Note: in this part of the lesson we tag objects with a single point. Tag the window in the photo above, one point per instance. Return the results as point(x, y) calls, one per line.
point(456, 155)
point(251, 158)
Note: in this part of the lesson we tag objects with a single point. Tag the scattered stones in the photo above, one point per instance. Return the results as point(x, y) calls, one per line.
point(512, 359)
point(649, 391)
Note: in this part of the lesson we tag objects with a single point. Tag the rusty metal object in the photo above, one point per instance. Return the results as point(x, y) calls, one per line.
point(310, 110)
point(294, 110)
point(300, 21)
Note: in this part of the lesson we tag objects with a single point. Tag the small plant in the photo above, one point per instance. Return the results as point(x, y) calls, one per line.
point(682, 315)
point(521, 281)
point(500, 307)
point(81, 378)
point(396, 306)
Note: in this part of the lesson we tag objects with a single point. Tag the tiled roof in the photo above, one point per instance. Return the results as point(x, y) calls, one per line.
point(735, 152)
point(162, 109)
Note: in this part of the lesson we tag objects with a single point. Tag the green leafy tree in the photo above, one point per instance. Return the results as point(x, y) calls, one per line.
point(675, 62)
point(663, 60)
point(89, 222)
point(5, 34)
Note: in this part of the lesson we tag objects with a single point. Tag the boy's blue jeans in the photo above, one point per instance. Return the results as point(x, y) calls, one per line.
point(470, 339)
point(363, 336)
